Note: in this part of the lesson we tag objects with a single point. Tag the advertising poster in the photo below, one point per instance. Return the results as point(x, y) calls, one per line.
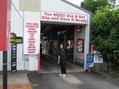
point(98, 58)
point(13, 57)
point(31, 32)
point(14, 40)
point(90, 60)
point(64, 17)
point(80, 45)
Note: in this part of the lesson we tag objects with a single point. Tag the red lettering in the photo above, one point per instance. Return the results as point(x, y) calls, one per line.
point(45, 17)
point(31, 41)
point(48, 14)
point(70, 16)
point(35, 24)
point(31, 50)
point(31, 34)
point(59, 14)
point(64, 19)
point(53, 18)
point(32, 31)
point(31, 46)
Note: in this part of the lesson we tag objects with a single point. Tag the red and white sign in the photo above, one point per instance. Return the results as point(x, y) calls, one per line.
point(4, 24)
point(64, 17)
point(31, 33)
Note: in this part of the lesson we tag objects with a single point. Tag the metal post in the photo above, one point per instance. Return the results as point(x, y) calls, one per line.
point(65, 41)
point(4, 69)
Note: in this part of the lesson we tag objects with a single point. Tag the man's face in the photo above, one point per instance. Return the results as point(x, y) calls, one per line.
point(61, 46)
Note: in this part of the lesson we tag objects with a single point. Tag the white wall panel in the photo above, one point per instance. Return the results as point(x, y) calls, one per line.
point(17, 28)
point(33, 63)
point(79, 57)
point(59, 6)
point(1, 61)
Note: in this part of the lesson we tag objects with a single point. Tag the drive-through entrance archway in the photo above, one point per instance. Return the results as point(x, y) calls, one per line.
point(51, 36)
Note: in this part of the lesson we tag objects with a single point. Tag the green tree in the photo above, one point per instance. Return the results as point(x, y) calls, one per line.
point(112, 2)
point(106, 34)
point(105, 29)
point(93, 5)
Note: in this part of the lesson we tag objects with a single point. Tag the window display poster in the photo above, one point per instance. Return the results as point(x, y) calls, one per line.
point(80, 45)
point(13, 57)
point(31, 33)
point(98, 58)
point(90, 60)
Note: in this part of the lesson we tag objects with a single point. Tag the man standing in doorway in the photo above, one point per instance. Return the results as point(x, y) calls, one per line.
point(63, 60)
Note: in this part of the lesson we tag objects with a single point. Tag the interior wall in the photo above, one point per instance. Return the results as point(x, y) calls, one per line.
point(78, 57)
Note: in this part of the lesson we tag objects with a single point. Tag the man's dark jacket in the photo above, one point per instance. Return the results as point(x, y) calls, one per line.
point(63, 57)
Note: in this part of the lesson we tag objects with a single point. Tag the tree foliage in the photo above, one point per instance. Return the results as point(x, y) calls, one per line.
point(105, 28)
point(112, 2)
point(93, 5)
point(106, 33)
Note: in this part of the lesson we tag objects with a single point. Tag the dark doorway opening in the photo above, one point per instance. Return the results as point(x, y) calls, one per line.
point(53, 34)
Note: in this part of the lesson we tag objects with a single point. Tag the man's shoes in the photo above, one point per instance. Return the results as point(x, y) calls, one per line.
point(63, 75)
point(60, 75)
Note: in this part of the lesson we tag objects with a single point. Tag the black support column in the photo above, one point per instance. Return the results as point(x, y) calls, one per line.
point(4, 69)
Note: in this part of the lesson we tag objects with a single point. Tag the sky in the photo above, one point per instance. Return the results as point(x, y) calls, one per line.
point(77, 2)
